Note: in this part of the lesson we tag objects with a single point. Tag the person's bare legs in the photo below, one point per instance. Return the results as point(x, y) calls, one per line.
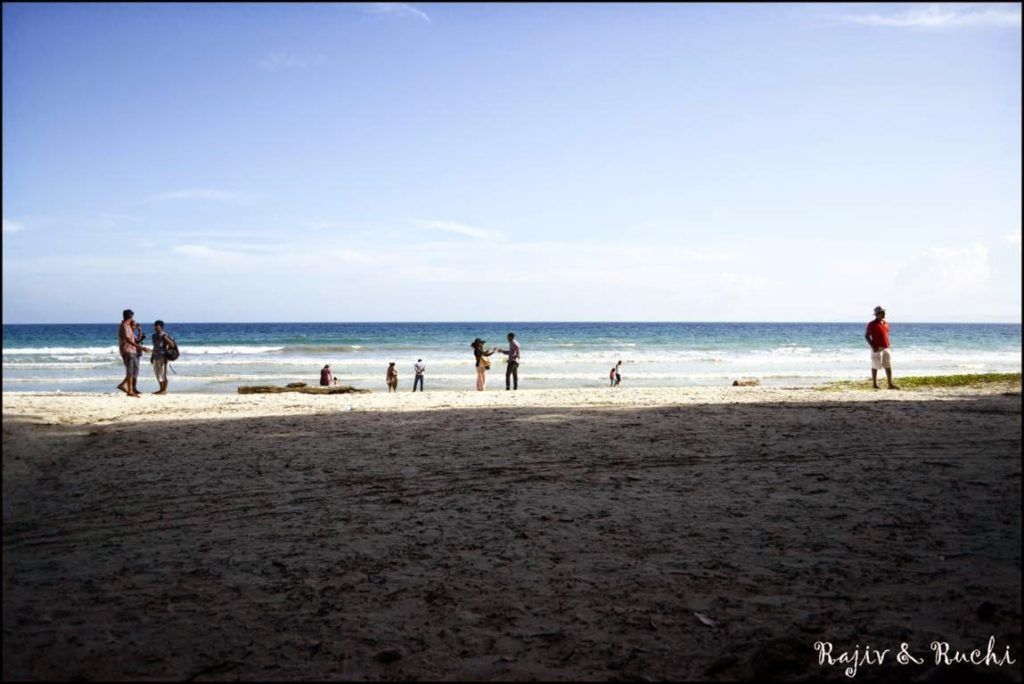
point(874, 378)
point(888, 377)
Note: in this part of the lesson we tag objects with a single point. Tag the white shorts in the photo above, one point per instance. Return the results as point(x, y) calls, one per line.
point(160, 369)
point(881, 359)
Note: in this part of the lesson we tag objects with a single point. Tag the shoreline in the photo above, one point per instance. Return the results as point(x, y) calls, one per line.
point(84, 408)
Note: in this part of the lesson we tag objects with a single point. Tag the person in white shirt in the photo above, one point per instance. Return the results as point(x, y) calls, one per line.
point(419, 369)
point(512, 369)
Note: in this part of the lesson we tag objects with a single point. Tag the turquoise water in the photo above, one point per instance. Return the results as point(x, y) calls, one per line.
point(217, 357)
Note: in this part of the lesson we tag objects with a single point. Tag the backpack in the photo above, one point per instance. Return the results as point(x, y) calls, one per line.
point(171, 352)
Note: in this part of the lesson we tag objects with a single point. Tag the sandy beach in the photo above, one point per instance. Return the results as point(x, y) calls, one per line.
point(629, 534)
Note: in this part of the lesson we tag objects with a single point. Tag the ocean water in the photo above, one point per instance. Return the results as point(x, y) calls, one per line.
point(217, 357)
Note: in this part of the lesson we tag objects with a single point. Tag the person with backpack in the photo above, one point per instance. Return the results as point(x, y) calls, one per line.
point(165, 349)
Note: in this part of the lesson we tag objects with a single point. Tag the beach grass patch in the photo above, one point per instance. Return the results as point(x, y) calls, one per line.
point(925, 381)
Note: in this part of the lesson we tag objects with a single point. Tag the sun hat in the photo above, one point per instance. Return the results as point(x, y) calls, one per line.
point(879, 309)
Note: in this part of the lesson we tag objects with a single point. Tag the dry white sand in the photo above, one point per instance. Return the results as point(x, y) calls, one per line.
point(104, 408)
point(570, 534)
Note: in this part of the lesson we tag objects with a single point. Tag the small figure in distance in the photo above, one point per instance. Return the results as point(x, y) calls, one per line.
point(614, 376)
point(877, 335)
point(419, 368)
point(325, 375)
point(392, 378)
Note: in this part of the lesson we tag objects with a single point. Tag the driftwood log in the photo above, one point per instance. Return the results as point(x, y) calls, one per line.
point(746, 382)
point(271, 389)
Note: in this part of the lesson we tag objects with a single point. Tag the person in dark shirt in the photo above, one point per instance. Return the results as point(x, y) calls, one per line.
point(325, 376)
point(482, 362)
point(161, 342)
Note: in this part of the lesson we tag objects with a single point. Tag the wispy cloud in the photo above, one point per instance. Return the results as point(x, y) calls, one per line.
point(12, 226)
point(280, 61)
point(277, 255)
point(198, 194)
point(398, 9)
point(1013, 238)
point(942, 16)
point(461, 229)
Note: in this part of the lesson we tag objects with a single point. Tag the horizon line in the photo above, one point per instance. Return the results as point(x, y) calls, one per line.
point(505, 322)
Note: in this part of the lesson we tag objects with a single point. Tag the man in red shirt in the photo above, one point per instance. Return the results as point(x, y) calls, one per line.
point(877, 335)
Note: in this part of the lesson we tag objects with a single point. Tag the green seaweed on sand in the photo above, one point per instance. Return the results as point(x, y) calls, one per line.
point(925, 381)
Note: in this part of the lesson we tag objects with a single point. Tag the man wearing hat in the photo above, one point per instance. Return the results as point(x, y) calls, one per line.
point(877, 335)
point(482, 362)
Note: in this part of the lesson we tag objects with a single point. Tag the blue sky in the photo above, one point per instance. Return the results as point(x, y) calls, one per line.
point(511, 162)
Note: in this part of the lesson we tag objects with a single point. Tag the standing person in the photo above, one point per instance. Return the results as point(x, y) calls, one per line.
point(325, 375)
point(877, 335)
point(139, 337)
point(419, 369)
point(512, 369)
point(392, 378)
point(161, 343)
point(129, 350)
point(482, 363)
point(616, 375)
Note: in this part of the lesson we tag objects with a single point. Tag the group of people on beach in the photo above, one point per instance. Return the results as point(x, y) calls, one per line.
point(483, 363)
point(130, 338)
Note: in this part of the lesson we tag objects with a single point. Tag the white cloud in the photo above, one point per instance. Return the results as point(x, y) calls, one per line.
point(943, 279)
point(12, 226)
point(398, 9)
point(1013, 238)
point(197, 194)
point(461, 229)
point(278, 61)
point(274, 255)
point(940, 16)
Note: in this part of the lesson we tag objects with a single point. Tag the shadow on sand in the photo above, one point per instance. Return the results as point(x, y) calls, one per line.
point(514, 544)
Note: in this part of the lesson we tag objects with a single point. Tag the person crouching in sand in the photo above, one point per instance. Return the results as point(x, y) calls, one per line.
point(392, 377)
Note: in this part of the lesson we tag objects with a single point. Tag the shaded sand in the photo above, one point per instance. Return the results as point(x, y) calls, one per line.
point(549, 534)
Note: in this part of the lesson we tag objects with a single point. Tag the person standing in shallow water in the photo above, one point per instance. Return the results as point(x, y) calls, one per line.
point(325, 376)
point(877, 335)
point(614, 376)
point(512, 369)
point(482, 363)
point(392, 377)
point(419, 369)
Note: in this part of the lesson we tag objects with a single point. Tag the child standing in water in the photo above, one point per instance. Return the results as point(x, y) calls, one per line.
point(392, 377)
point(614, 375)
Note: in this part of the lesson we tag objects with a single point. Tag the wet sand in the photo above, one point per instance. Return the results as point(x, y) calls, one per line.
point(550, 534)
